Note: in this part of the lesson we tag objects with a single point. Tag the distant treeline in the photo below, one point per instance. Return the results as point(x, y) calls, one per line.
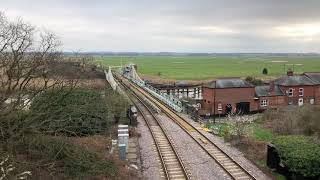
point(191, 54)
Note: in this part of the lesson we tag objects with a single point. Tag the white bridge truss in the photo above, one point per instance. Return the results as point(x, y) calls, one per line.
point(130, 73)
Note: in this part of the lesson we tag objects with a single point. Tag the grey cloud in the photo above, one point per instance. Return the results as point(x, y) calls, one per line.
point(174, 25)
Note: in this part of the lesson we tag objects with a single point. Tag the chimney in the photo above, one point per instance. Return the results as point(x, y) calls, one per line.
point(271, 88)
point(289, 72)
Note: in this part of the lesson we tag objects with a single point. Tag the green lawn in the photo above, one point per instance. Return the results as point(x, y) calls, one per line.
point(206, 67)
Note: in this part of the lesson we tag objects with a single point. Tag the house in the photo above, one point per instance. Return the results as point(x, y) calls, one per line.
point(236, 95)
point(299, 89)
point(269, 96)
point(315, 77)
point(227, 95)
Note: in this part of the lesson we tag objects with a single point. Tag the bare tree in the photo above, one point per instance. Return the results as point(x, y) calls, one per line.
point(26, 56)
point(239, 124)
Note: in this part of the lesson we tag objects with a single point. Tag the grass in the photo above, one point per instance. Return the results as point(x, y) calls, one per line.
point(261, 134)
point(256, 131)
point(207, 67)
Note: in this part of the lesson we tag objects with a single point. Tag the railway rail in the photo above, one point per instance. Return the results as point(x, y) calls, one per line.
point(231, 167)
point(172, 165)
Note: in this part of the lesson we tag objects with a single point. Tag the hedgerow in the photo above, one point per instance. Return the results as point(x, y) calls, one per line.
point(75, 161)
point(75, 112)
point(301, 154)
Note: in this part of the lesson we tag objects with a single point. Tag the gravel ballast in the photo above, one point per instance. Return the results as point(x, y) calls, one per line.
point(231, 151)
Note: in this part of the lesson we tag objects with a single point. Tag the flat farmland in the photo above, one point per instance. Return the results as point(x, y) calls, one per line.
point(208, 67)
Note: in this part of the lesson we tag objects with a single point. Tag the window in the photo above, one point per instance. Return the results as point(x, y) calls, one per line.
point(311, 101)
point(205, 100)
point(300, 91)
point(264, 103)
point(219, 107)
point(290, 92)
point(209, 102)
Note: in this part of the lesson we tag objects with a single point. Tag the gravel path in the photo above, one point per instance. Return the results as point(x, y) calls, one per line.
point(231, 151)
point(150, 162)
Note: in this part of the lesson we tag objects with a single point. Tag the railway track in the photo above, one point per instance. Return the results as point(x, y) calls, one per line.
point(172, 165)
point(231, 167)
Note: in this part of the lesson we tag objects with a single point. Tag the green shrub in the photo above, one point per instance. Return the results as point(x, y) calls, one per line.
point(254, 81)
point(70, 112)
point(301, 154)
point(224, 130)
point(265, 71)
point(75, 161)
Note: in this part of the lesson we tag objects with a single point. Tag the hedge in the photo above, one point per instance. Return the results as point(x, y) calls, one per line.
point(301, 154)
point(70, 112)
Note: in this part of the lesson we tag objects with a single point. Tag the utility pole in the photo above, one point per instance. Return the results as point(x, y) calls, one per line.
point(214, 102)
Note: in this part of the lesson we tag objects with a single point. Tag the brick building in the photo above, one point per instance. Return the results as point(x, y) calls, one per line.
point(236, 95)
point(269, 96)
point(299, 89)
point(315, 77)
point(227, 95)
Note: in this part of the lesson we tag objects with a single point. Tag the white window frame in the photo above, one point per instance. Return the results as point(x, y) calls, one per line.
point(312, 101)
point(301, 90)
point(219, 107)
point(264, 103)
point(300, 101)
point(290, 92)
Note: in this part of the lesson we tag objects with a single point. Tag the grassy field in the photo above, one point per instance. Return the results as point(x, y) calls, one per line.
point(206, 67)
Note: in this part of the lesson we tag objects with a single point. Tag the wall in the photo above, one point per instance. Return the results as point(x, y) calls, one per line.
point(227, 96)
point(207, 95)
point(309, 93)
point(273, 102)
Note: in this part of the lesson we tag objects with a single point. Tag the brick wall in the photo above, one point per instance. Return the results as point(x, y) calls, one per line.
point(317, 94)
point(227, 96)
point(308, 93)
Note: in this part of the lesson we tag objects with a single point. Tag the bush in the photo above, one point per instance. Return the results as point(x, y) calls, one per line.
point(296, 120)
point(254, 81)
point(117, 105)
point(265, 71)
point(75, 161)
point(300, 154)
point(71, 112)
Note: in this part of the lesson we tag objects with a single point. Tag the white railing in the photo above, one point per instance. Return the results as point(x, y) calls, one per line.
point(169, 100)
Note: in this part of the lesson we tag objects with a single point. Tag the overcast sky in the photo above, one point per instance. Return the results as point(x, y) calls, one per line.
point(176, 25)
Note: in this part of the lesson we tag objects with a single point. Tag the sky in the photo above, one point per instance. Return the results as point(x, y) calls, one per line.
point(218, 26)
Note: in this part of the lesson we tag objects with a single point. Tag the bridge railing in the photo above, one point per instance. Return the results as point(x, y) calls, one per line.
point(169, 100)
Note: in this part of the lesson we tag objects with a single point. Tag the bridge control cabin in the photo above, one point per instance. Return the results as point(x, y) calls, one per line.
point(180, 90)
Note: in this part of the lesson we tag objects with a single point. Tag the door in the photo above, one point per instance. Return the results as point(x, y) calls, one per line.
point(228, 108)
point(300, 103)
point(243, 107)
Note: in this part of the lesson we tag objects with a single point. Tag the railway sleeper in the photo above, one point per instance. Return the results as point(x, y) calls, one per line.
point(164, 145)
point(168, 148)
point(169, 156)
point(176, 176)
point(166, 152)
point(243, 177)
point(227, 163)
point(171, 160)
point(175, 171)
point(240, 174)
point(232, 167)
